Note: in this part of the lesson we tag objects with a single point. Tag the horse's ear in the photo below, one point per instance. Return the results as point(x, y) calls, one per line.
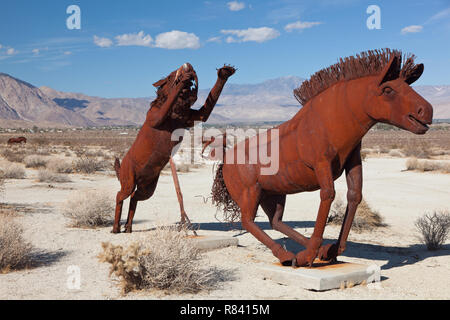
point(391, 71)
point(415, 74)
point(160, 83)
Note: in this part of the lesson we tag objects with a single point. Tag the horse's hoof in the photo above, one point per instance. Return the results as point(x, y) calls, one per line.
point(328, 252)
point(128, 230)
point(115, 231)
point(304, 259)
point(286, 257)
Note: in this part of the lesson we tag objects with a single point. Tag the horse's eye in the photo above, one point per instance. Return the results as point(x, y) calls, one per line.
point(388, 90)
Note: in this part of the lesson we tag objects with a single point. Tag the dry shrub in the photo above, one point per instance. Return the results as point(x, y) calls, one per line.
point(366, 219)
point(88, 165)
point(40, 141)
point(94, 153)
point(45, 175)
point(427, 165)
point(90, 209)
point(364, 154)
point(434, 229)
point(13, 171)
point(14, 155)
point(166, 260)
point(15, 252)
point(60, 166)
point(417, 150)
point(396, 153)
point(43, 152)
point(34, 161)
point(183, 167)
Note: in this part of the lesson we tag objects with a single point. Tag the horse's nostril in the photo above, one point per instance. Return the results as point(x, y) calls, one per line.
point(420, 111)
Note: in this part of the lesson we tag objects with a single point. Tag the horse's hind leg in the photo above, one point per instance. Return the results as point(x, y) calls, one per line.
point(249, 202)
point(121, 196)
point(273, 206)
point(141, 194)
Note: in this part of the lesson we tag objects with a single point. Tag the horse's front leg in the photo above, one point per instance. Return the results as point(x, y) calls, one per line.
point(353, 172)
point(327, 193)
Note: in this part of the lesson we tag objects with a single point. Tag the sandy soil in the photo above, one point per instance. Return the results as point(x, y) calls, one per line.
point(408, 270)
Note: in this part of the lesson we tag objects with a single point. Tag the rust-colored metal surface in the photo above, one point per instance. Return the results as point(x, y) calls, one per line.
point(18, 140)
point(151, 151)
point(323, 140)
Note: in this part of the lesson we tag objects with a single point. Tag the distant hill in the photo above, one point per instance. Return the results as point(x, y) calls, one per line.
point(23, 105)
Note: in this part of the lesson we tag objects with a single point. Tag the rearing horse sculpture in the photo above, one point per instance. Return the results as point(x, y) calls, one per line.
point(340, 105)
point(141, 167)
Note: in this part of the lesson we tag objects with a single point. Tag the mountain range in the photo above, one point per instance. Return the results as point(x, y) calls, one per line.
point(24, 105)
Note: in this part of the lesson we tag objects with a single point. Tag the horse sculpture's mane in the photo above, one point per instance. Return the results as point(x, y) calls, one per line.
point(180, 109)
point(365, 64)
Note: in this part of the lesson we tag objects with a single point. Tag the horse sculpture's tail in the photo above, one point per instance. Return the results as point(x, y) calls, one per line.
point(222, 198)
point(117, 168)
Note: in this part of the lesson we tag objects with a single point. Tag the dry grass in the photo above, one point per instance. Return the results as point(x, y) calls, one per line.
point(419, 150)
point(35, 161)
point(183, 167)
point(13, 171)
point(45, 175)
point(14, 155)
point(15, 252)
point(90, 209)
point(396, 153)
point(434, 229)
point(427, 165)
point(88, 165)
point(166, 261)
point(366, 219)
point(60, 166)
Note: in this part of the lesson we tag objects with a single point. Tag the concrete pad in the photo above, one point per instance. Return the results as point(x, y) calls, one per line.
point(207, 243)
point(322, 276)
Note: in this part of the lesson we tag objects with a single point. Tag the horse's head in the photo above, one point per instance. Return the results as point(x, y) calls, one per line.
point(393, 101)
point(187, 96)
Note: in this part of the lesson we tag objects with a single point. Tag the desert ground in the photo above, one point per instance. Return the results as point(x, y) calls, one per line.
point(408, 269)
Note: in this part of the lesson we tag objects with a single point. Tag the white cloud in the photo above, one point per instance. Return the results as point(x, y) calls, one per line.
point(252, 34)
point(214, 39)
point(103, 42)
point(1, 46)
point(299, 25)
point(440, 15)
point(177, 40)
point(11, 51)
point(38, 51)
point(412, 29)
point(230, 39)
point(67, 53)
point(235, 5)
point(134, 39)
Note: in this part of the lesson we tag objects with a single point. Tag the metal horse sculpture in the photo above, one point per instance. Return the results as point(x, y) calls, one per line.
point(340, 104)
point(141, 167)
point(18, 140)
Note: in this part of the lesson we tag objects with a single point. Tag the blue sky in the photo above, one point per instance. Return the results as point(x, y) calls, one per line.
point(125, 46)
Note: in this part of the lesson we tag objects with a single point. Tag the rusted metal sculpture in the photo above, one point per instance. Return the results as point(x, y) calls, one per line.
point(340, 104)
point(151, 151)
point(18, 140)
